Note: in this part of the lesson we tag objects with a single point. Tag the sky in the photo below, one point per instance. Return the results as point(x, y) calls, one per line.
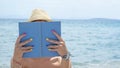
point(61, 9)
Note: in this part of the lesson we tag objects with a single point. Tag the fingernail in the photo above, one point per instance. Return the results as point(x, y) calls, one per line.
point(24, 33)
point(31, 39)
point(30, 49)
point(53, 30)
point(49, 49)
point(47, 38)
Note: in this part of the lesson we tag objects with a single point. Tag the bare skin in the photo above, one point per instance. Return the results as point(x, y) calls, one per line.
point(54, 62)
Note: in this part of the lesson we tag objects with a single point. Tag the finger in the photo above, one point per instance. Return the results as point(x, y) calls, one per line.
point(25, 42)
point(53, 47)
point(53, 41)
point(26, 48)
point(20, 37)
point(57, 35)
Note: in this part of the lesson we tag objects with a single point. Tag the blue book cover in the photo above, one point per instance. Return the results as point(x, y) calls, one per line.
point(39, 31)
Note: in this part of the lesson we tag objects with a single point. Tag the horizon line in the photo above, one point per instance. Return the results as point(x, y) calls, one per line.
point(68, 18)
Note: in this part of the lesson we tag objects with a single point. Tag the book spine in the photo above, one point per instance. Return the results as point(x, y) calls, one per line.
point(41, 43)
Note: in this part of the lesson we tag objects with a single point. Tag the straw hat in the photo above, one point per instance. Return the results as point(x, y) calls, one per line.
point(39, 14)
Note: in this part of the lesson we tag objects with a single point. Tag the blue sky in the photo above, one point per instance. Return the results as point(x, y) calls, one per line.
point(62, 9)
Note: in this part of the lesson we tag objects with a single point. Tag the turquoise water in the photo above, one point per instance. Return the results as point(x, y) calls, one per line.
point(92, 43)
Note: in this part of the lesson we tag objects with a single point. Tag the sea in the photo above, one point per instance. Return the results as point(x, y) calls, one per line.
point(93, 43)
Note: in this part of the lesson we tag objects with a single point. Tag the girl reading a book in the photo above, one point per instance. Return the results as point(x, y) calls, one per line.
point(62, 61)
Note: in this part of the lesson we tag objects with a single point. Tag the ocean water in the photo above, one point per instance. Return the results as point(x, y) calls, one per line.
point(92, 43)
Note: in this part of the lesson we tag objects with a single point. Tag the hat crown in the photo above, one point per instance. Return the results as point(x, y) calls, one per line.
point(39, 14)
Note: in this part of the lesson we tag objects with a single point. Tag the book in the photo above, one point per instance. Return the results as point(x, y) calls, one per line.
point(39, 31)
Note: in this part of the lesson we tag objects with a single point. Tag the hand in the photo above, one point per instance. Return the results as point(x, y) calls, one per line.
point(19, 49)
point(60, 45)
